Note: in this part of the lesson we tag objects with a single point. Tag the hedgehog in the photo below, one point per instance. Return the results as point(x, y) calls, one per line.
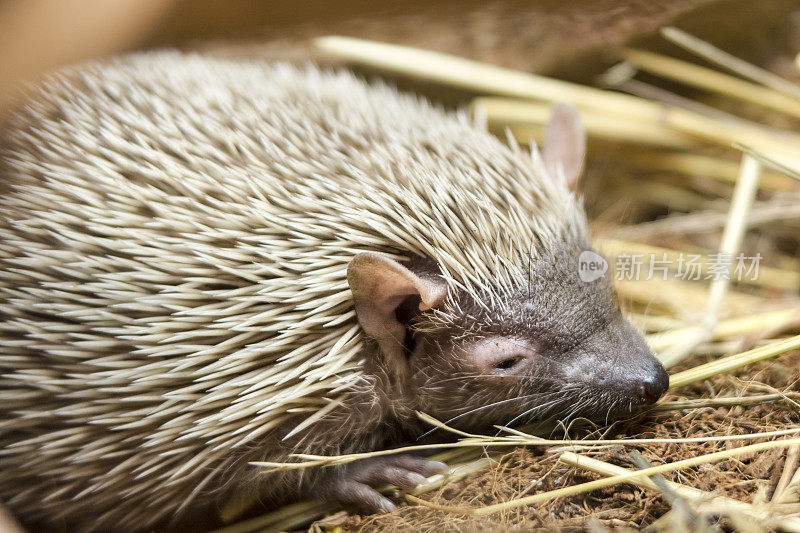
point(206, 263)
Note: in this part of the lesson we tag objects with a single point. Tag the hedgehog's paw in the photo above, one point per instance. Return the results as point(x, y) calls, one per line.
point(355, 484)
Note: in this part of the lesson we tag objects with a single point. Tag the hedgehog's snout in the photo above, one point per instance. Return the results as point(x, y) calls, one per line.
point(653, 385)
point(641, 377)
point(643, 386)
point(616, 363)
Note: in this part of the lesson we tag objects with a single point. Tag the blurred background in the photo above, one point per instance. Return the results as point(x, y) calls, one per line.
point(566, 39)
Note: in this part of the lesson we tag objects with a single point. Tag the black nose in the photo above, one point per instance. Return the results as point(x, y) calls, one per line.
point(653, 386)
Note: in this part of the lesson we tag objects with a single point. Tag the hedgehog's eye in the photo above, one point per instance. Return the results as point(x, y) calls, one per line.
point(507, 364)
point(500, 355)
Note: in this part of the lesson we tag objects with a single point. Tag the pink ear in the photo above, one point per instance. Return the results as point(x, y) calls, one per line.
point(380, 285)
point(564, 146)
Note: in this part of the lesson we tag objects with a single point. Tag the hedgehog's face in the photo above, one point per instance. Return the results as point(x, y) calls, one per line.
point(520, 375)
point(562, 350)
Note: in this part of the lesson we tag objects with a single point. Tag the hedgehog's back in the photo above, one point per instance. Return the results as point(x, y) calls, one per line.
point(155, 309)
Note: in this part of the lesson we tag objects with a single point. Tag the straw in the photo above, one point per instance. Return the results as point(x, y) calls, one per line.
point(719, 57)
point(697, 76)
point(743, 197)
point(702, 500)
point(589, 486)
point(732, 362)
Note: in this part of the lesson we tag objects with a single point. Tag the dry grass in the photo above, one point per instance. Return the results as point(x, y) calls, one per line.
point(725, 437)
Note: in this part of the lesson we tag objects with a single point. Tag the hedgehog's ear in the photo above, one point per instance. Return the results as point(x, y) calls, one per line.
point(383, 290)
point(564, 146)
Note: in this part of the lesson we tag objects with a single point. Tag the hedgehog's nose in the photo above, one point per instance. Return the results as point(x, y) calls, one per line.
point(654, 385)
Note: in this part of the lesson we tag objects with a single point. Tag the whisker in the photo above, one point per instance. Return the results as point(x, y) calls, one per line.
point(477, 409)
point(534, 409)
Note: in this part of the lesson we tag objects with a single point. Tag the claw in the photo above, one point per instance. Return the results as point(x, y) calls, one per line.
point(355, 484)
point(360, 495)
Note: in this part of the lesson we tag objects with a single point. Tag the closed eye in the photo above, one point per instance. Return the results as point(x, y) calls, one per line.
point(507, 364)
point(501, 356)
